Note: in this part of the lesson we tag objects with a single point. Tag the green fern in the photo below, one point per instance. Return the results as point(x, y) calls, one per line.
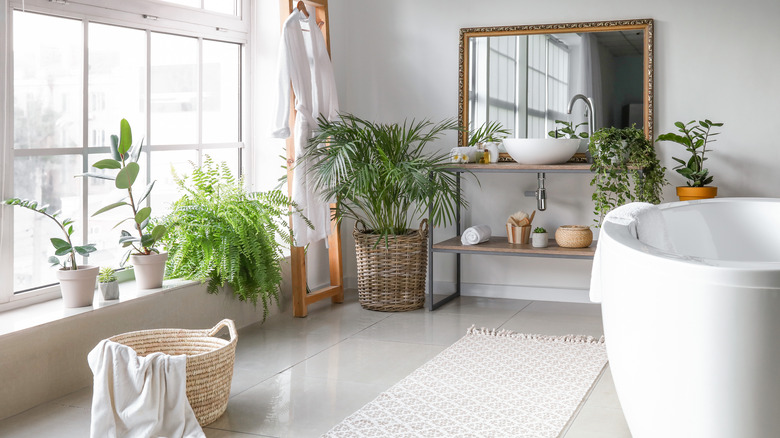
point(221, 234)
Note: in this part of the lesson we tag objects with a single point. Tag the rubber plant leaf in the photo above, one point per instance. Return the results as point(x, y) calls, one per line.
point(115, 148)
point(109, 207)
point(126, 177)
point(125, 137)
point(147, 191)
point(60, 244)
point(142, 214)
point(108, 163)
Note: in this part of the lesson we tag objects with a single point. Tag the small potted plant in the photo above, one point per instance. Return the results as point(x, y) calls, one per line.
point(695, 137)
point(147, 260)
point(77, 283)
point(564, 129)
point(107, 283)
point(539, 238)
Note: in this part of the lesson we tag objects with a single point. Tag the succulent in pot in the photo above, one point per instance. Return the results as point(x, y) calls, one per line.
point(539, 238)
point(696, 135)
point(148, 261)
point(77, 283)
point(108, 284)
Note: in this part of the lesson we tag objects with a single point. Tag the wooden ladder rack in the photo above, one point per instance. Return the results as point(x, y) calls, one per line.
point(301, 299)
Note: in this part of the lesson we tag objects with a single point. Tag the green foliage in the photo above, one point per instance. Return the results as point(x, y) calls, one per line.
point(125, 159)
point(626, 169)
point(566, 130)
point(61, 246)
point(539, 230)
point(381, 175)
point(220, 233)
point(695, 137)
point(107, 275)
point(488, 132)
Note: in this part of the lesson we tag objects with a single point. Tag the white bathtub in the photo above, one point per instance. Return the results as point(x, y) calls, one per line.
point(694, 337)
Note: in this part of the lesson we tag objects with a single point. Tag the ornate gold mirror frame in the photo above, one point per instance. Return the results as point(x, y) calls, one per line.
point(645, 25)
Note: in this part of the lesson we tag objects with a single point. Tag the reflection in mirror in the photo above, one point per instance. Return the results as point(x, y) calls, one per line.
point(526, 76)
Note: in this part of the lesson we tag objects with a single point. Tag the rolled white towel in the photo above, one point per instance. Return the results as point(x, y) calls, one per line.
point(476, 234)
point(464, 154)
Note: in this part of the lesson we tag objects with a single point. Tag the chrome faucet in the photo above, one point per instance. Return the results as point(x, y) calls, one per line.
point(591, 114)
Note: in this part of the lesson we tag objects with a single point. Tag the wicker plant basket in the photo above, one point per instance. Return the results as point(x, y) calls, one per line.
point(209, 362)
point(573, 236)
point(391, 277)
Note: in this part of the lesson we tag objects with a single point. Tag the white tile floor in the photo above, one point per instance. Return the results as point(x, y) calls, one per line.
point(300, 377)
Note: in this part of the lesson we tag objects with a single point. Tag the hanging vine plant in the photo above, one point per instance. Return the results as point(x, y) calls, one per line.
point(625, 168)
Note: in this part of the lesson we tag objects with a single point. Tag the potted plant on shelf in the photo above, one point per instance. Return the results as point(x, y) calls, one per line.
point(148, 262)
point(220, 233)
point(381, 176)
point(539, 238)
point(695, 137)
point(108, 284)
point(77, 283)
point(626, 169)
point(564, 129)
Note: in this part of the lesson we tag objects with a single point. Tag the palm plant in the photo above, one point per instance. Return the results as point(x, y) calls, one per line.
point(488, 132)
point(381, 175)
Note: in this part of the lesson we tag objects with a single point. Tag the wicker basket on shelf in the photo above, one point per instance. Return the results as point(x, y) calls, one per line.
point(391, 275)
point(573, 236)
point(209, 362)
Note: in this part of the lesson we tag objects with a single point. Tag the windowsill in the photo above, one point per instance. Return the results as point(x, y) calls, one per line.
point(39, 314)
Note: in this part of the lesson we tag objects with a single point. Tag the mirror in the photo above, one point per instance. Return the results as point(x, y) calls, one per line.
point(525, 76)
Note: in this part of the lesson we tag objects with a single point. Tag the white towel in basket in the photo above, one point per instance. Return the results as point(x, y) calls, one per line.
point(140, 396)
point(476, 234)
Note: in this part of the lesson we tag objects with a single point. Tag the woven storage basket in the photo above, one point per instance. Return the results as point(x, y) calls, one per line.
point(391, 277)
point(209, 362)
point(573, 236)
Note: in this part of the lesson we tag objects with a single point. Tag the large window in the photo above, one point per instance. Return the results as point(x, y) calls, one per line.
point(74, 77)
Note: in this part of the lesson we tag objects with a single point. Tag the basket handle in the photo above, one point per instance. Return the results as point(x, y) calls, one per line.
point(231, 326)
point(362, 224)
point(422, 231)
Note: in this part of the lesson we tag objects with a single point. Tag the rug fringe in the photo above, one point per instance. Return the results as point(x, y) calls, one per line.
point(575, 339)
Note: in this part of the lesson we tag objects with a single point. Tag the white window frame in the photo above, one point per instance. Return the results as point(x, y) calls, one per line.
point(148, 15)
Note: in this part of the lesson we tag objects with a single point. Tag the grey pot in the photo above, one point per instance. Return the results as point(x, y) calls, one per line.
point(109, 290)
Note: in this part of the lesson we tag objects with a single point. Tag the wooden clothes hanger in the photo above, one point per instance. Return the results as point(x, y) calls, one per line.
point(302, 7)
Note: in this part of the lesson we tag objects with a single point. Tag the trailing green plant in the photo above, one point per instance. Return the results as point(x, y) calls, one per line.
point(380, 174)
point(695, 137)
point(626, 169)
point(62, 247)
point(125, 159)
point(566, 130)
point(220, 233)
point(107, 275)
point(539, 230)
point(488, 132)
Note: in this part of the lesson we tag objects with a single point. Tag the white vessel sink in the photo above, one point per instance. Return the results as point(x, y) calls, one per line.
point(541, 150)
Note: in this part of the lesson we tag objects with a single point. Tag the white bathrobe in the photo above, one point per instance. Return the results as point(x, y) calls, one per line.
point(304, 62)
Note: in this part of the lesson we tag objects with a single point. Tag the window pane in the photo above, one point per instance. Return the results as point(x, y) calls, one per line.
point(191, 3)
point(165, 189)
point(220, 91)
point(117, 82)
point(174, 90)
point(48, 58)
point(48, 180)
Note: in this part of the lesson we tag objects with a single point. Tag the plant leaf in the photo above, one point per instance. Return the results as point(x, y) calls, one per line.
point(98, 176)
point(60, 243)
point(147, 191)
point(126, 177)
point(85, 249)
point(158, 232)
point(115, 148)
point(109, 207)
point(108, 163)
point(142, 214)
point(125, 137)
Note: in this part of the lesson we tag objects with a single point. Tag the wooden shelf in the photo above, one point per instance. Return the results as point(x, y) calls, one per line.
point(517, 167)
point(498, 245)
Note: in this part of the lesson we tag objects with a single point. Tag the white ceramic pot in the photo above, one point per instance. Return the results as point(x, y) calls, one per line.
point(109, 290)
point(149, 270)
point(78, 287)
point(539, 240)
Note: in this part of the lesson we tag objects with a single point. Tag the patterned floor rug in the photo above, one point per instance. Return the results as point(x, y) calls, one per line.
point(488, 384)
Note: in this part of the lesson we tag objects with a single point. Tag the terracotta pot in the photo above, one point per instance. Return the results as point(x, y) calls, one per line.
point(149, 270)
point(78, 287)
point(694, 193)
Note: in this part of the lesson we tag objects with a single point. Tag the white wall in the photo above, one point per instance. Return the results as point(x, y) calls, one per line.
point(713, 59)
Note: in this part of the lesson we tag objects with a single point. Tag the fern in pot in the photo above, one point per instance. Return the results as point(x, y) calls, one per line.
point(381, 176)
point(221, 234)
